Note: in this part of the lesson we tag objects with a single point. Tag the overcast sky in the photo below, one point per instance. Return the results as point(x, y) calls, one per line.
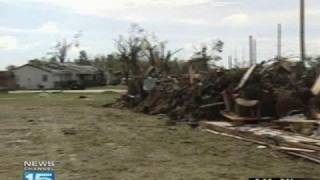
point(29, 28)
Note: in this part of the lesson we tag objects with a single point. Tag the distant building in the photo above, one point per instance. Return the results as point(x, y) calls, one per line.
point(7, 81)
point(57, 76)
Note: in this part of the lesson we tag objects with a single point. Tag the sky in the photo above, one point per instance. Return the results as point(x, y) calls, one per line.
point(30, 28)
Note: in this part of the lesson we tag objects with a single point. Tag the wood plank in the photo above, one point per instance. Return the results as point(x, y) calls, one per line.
point(261, 142)
point(304, 156)
point(296, 149)
point(212, 105)
point(276, 139)
point(236, 118)
point(316, 87)
point(246, 77)
point(297, 121)
point(260, 133)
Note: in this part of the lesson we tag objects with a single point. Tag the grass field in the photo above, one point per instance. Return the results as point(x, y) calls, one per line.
point(94, 143)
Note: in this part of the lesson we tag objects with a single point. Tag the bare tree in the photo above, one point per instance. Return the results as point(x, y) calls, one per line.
point(207, 55)
point(60, 50)
point(157, 54)
point(83, 58)
point(130, 49)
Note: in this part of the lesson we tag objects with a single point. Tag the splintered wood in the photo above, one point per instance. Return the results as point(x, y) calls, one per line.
point(316, 87)
point(290, 143)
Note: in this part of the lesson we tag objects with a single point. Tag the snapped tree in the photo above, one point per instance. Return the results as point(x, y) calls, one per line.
point(60, 50)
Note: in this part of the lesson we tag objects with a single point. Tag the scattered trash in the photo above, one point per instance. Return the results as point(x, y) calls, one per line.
point(262, 147)
point(70, 131)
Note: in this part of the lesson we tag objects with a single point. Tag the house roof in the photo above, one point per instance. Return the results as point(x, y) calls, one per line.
point(83, 69)
point(64, 68)
point(37, 67)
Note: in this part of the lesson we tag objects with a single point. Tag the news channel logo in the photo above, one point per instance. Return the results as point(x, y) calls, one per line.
point(283, 178)
point(39, 170)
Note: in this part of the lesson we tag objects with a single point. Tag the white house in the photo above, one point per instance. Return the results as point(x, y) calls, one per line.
point(54, 75)
point(33, 77)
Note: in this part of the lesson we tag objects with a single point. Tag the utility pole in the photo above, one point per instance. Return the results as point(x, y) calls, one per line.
point(279, 54)
point(302, 31)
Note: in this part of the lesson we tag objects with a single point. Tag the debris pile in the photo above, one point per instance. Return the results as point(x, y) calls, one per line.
point(277, 96)
point(267, 91)
point(177, 97)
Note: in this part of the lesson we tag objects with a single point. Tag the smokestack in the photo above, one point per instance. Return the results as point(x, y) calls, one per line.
point(254, 47)
point(251, 50)
point(279, 54)
point(230, 62)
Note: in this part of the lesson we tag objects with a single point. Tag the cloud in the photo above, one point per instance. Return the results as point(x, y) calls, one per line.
point(28, 46)
point(154, 11)
point(47, 28)
point(8, 43)
point(236, 20)
point(286, 17)
point(228, 21)
point(84, 6)
point(189, 12)
point(191, 21)
point(12, 43)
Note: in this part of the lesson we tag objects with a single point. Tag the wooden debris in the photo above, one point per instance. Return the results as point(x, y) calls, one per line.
point(316, 87)
point(296, 149)
point(246, 77)
point(283, 141)
point(212, 105)
point(290, 121)
point(246, 103)
point(236, 118)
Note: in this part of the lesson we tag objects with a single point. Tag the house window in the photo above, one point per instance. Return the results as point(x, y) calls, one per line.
point(44, 78)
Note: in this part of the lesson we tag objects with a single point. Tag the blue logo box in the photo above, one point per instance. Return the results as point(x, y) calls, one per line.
point(38, 175)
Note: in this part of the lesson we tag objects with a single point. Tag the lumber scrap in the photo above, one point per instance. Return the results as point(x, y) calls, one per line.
point(261, 142)
point(236, 118)
point(212, 105)
point(246, 103)
point(316, 160)
point(276, 139)
point(266, 134)
point(289, 121)
point(246, 77)
point(316, 87)
point(296, 149)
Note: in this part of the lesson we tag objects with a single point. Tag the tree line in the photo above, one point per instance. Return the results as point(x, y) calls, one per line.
point(134, 52)
point(139, 49)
